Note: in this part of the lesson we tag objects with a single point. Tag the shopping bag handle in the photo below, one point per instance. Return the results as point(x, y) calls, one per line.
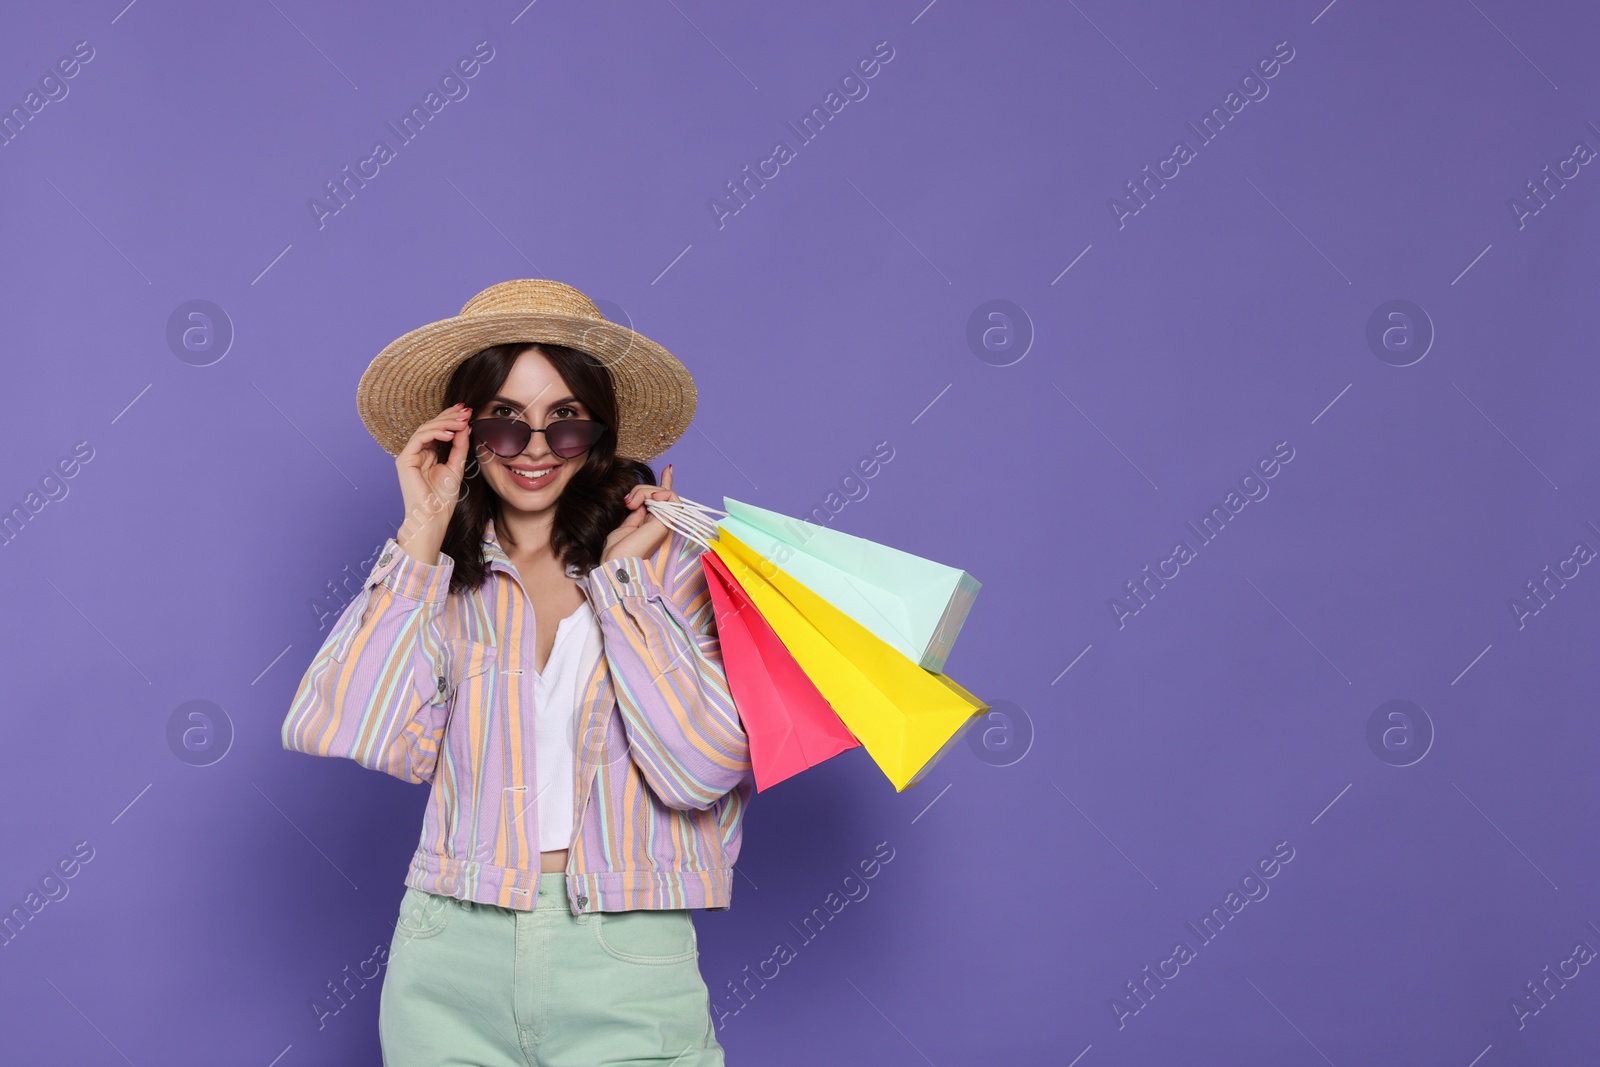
point(696, 521)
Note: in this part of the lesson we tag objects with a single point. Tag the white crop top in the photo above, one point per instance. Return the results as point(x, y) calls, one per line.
point(556, 693)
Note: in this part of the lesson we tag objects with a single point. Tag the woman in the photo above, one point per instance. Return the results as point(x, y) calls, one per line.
point(543, 653)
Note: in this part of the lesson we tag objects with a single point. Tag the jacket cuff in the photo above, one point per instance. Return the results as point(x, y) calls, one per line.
point(617, 580)
point(404, 576)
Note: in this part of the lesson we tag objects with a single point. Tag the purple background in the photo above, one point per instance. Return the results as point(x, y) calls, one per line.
point(1036, 871)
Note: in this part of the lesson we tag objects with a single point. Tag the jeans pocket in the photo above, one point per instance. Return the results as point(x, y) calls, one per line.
point(652, 936)
point(423, 914)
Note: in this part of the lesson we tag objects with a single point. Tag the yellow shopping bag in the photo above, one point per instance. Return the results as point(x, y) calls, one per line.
point(905, 716)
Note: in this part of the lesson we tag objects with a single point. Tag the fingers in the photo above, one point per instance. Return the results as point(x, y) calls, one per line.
point(453, 420)
point(459, 451)
point(640, 493)
point(445, 426)
point(454, 417)
point(637, 496)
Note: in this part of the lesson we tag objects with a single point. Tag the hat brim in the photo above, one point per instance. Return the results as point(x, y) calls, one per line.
point(403, 386)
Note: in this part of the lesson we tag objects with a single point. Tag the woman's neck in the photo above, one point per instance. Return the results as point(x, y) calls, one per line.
point(525, 534)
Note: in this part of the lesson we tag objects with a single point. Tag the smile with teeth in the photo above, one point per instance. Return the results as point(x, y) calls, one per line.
point(532, 477)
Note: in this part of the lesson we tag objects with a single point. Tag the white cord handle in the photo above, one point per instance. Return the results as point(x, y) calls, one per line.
point(696, 521)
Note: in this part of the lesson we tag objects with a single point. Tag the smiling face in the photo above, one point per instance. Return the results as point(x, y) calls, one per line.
point(536, 394)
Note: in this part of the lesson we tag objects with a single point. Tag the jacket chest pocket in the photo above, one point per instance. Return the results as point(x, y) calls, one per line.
point(466, 659)
point(470, 674)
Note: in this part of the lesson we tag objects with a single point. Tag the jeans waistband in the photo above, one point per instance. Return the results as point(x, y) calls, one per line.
point(551, 895)
point(552, 891)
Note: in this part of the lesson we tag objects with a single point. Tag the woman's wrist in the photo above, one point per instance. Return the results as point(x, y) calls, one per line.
point(424, 550)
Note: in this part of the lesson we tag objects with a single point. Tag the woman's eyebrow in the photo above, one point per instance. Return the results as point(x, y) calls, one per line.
point(520, 406)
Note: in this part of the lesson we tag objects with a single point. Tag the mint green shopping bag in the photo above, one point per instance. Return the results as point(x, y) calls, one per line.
point(914, 605)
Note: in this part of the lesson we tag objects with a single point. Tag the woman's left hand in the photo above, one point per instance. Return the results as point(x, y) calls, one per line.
point(641, 533)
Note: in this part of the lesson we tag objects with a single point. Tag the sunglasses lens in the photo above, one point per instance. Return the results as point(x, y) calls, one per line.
point(503, 437)
point(573, 437)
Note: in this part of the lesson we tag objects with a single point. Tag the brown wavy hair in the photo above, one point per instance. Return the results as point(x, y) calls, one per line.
point(590, 507)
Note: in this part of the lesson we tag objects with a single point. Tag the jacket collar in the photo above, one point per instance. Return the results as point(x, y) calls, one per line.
point(492, 552)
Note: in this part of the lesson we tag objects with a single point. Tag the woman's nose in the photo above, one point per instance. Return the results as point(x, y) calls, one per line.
point(538, 447)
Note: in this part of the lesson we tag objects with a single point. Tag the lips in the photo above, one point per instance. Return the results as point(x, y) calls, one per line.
point(532, 483)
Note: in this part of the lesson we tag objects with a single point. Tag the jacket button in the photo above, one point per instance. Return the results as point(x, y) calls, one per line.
point(383, 560)
point(622, 575)
point(441, 683)
point(583, 901)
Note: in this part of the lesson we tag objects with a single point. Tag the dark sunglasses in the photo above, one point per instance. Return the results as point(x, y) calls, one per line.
point(567, 438)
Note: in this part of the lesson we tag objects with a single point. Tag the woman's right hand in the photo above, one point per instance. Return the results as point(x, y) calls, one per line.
point(429, 488)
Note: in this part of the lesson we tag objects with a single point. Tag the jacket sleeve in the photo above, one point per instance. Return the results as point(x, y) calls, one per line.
point(375, 692)
point(659, 631)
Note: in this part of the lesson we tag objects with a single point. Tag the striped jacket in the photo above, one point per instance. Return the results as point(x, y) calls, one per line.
point(437, 687)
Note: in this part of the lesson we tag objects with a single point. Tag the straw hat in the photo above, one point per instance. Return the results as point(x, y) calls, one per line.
point(403, 386)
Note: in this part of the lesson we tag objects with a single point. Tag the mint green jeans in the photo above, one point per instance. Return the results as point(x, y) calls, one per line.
point(479, 984)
